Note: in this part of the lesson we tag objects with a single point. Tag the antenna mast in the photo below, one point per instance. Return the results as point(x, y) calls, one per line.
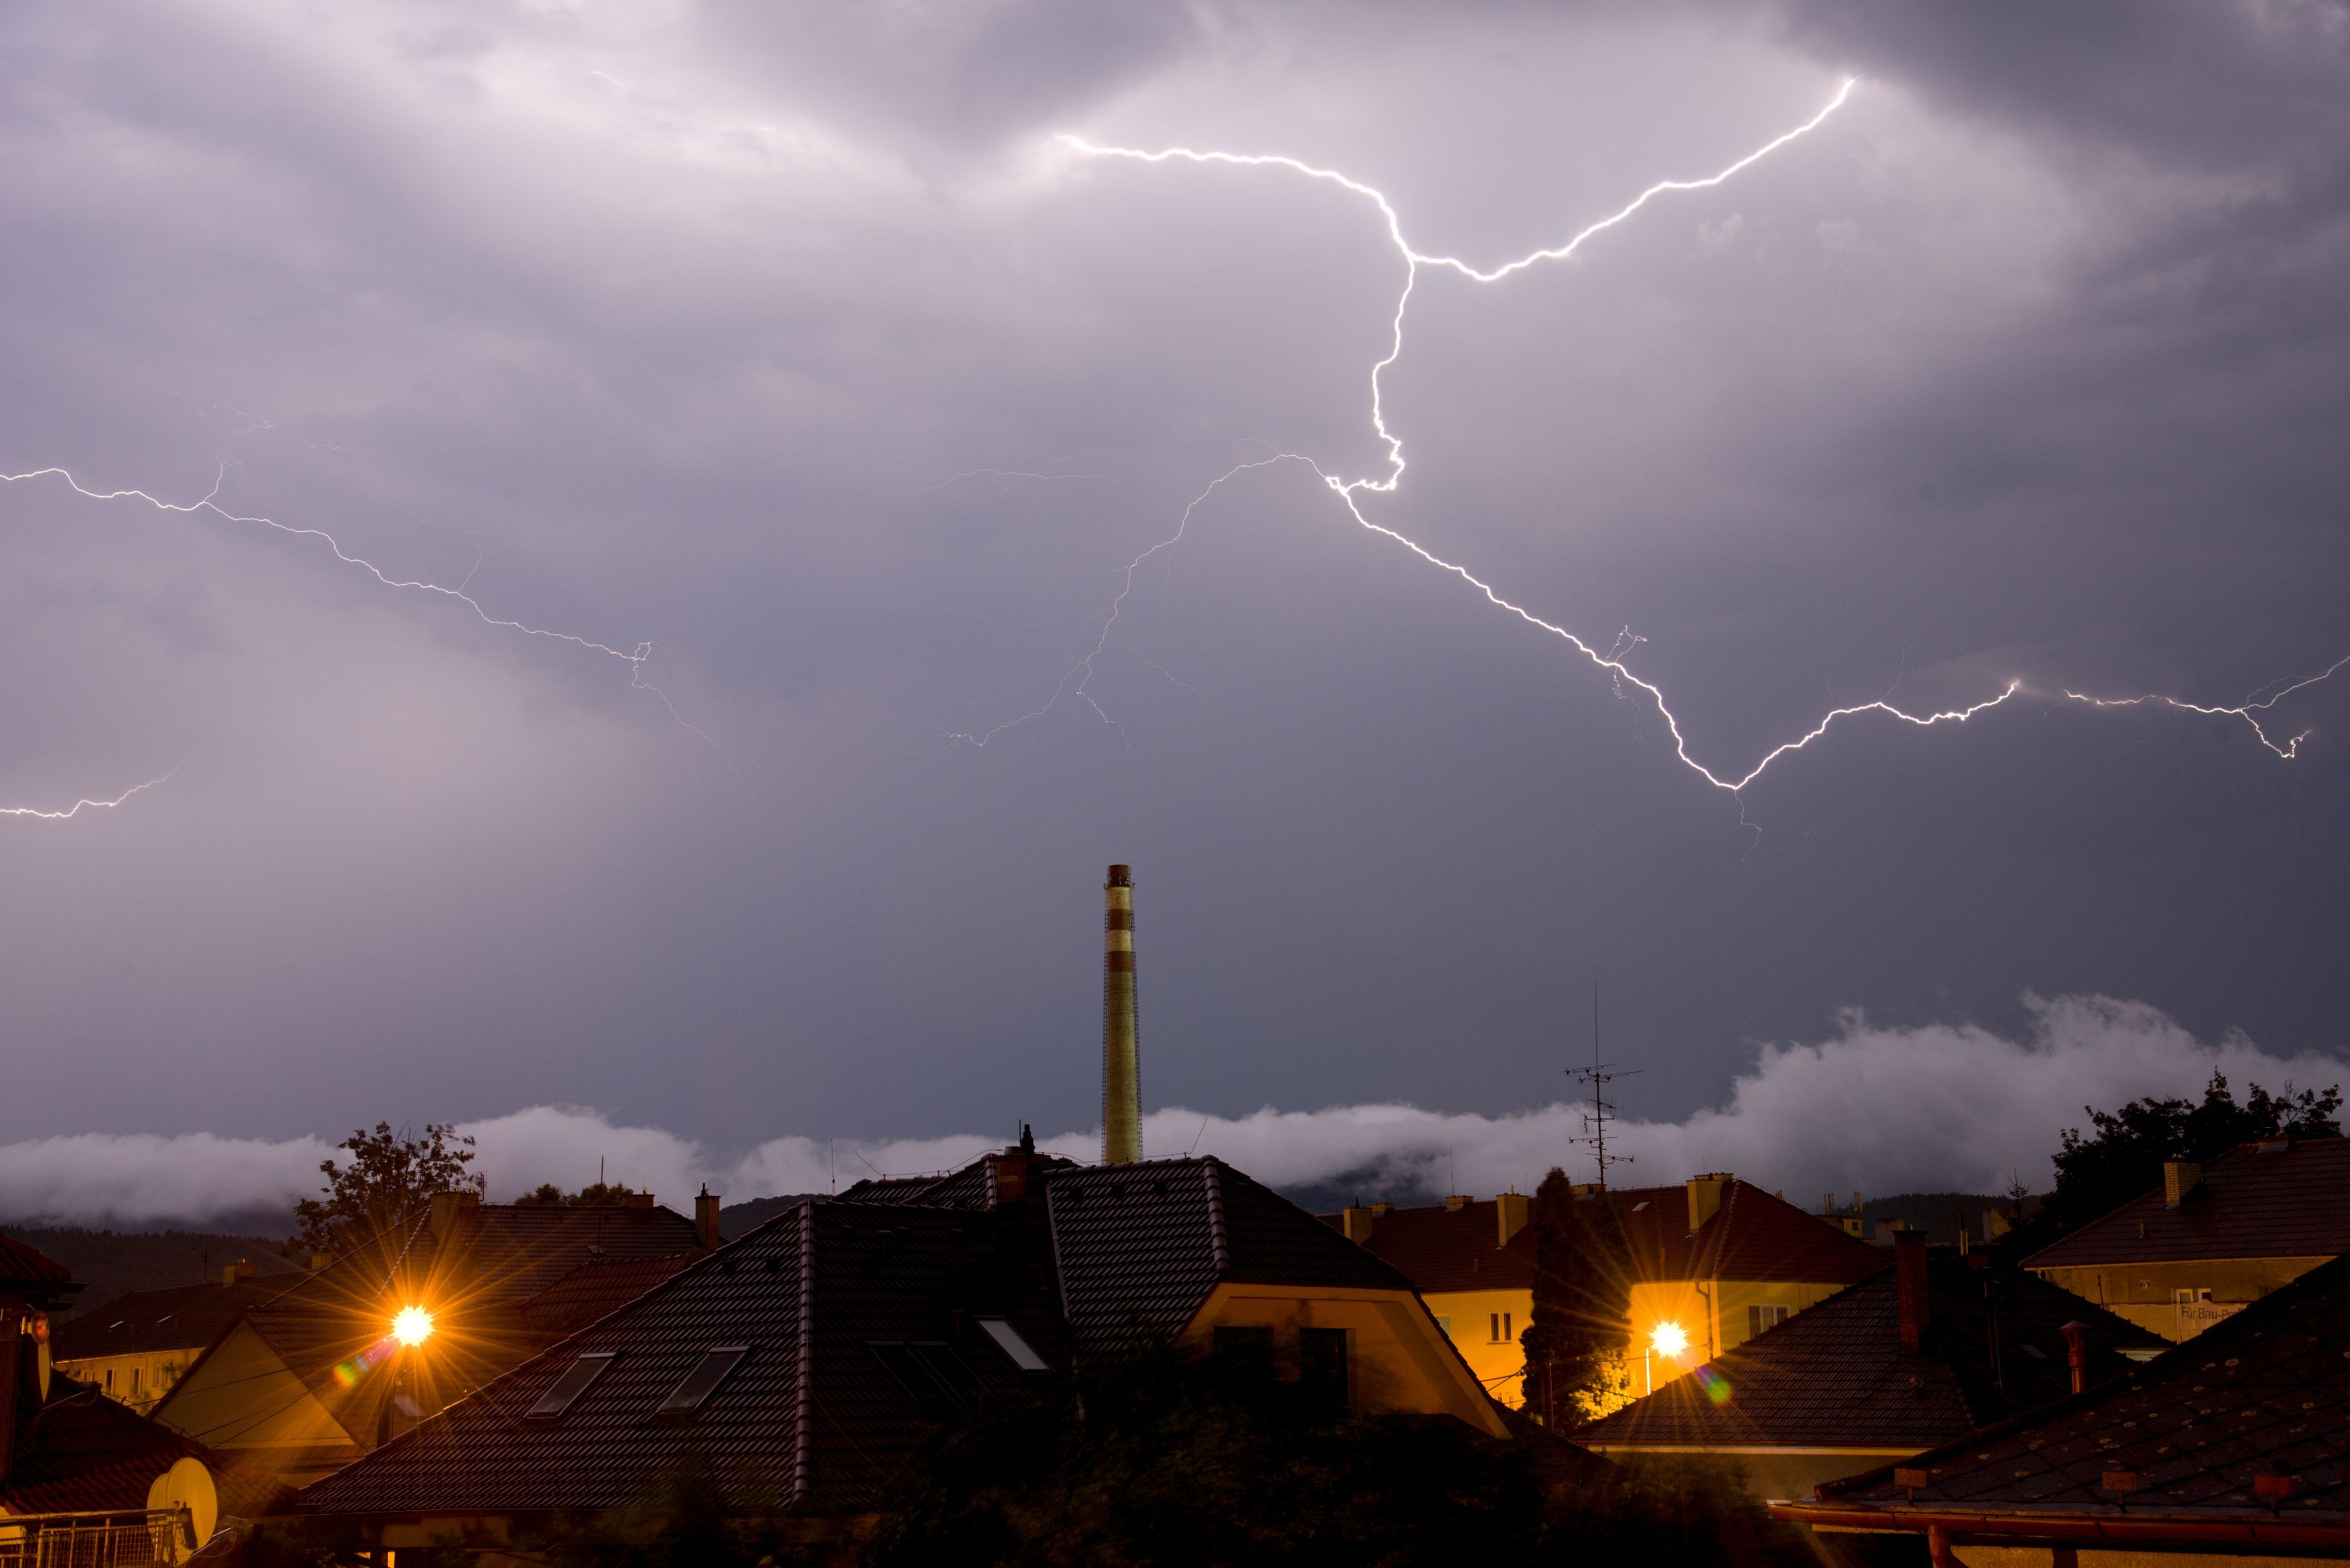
point(1596, 1077)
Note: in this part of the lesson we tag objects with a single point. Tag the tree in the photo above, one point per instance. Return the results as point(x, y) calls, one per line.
point(595, 1195)
point(2097, 1174)
point(1574, 1343)
point(390, 1178)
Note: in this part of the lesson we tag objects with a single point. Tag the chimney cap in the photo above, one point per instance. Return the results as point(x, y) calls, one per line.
point(1121, 876)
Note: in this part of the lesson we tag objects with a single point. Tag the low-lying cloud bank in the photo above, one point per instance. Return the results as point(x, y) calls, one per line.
point(1943, 1106)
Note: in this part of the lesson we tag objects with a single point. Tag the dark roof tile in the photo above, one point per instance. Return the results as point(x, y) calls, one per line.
point(2265, 1391)
point(1834, 1375)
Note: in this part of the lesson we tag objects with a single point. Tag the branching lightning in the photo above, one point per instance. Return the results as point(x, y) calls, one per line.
point(77, 808)
point(1350, 492)
point(2244, 709)
point(636, 657)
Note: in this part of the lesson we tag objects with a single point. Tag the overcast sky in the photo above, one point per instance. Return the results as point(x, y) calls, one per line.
point(745, 331)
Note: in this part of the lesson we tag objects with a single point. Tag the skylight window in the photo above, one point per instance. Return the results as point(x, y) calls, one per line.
point(928, 1370)
point(703, 1380)
point(566, 1390)
point(1023, 1354)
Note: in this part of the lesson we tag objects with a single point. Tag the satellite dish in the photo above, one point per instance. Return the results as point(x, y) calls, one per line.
point(188, 1485)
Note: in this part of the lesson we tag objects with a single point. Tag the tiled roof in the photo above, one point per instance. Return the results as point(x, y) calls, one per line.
point(1835, 1375)
point(2187, 1436)
point(89, 1454)
point(183, 1317)
point(1753, 1236)
point(814, 1419)
point(1140, 1246)
point(971, 1187)
point(1439, 1249)
point(593, 1289)
point(2285, 1198)
point(22, 1264)
point(810, 1419)
point(327, 1325)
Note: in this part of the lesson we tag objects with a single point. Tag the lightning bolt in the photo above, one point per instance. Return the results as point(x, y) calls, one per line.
point(77, 808)
point(636, 657)
point(1350, 492)
point(2244, 709)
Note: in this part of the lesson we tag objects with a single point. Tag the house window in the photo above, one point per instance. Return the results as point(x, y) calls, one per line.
point(1500, 1323)
point(1444, 1326)
point(1762, 1318)
point(1322, 1366)
point(138, 1381)
point(109, 1380)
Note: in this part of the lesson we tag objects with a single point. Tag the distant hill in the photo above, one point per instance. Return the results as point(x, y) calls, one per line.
point(110, 1263)
point(740, 1218)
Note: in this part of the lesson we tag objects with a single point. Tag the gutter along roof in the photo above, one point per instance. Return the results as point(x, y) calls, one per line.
point(2240, 1435)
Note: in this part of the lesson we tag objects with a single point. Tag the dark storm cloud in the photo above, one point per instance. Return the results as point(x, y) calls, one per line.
point(680, 326)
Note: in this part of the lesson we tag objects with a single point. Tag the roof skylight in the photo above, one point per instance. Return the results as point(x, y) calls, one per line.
point(703, 1380)
point(1023, 1354)
point(564, 1391)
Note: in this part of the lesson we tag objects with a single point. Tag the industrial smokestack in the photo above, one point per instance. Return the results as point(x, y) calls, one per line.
point(1121, 1063)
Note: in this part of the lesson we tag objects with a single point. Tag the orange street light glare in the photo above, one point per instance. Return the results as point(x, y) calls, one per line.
point(412, 1325)
point(1668, 1340)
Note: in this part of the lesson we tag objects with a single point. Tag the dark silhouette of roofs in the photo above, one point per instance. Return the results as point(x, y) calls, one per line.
point(1441, 1248)
point(1753, 1236)
point(2281, 1198)
point(1835, 1375)
point(2241, 1434)
point(88, 1454)
point(27, 1272)
point(847, 1329)
point(1141, 1245)
point(180, 1317)
point(478, 1280)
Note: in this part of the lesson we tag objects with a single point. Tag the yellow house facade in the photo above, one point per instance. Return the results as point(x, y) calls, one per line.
point(2212, 1239)
point(135, 1348)
point(1704, 1266)
point(1396, 1359)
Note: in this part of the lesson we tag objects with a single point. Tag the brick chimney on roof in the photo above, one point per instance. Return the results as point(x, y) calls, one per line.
point(1511, 1212)
point(1705, 1194)
point(2179, 1178)
point(706, 1219)
point(1122, 1056)
point(1909, 1287)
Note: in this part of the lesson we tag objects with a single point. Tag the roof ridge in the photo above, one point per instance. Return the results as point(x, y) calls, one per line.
point(804, 1392)
point(1218, 1241)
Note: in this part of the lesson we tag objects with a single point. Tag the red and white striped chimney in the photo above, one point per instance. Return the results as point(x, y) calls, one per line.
point(1121, 1057)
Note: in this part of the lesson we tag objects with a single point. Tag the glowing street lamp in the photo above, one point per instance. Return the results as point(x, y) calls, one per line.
point(1668, 1340)
point(412, 1326)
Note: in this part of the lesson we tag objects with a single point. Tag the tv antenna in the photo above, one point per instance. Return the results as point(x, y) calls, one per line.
point(1596, 1077)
